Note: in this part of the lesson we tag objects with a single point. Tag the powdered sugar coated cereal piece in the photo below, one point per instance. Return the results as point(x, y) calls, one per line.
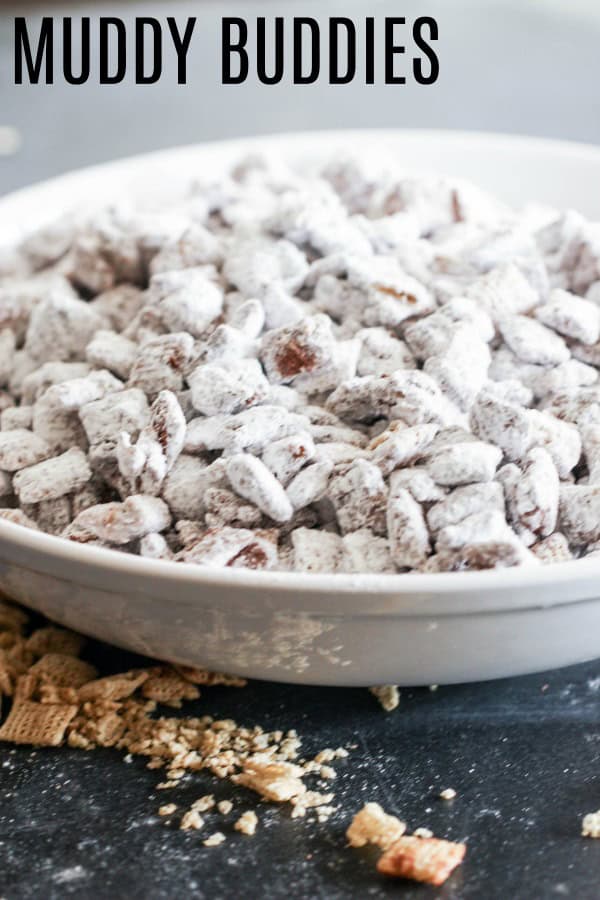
point(309, 485)
point(337, 452)
point(430, 336)
point(580, 513)
point(37, 382)
point(185, 485)
point(570, 374)
point(60, 428)
point(553, 549)
point(249, 317)
point(467, 311)
point(365, 552)
point(104, 420)
point(154, 546)
point(281, 309)
point(60, 328)
point(226, 345)
point(390, 295)
point(533, 342)
point(17, 517)
point(466, 463)
point(251, 479)
point(20, 448)
point(359, 496)
point(253, 429)
point(232, 547)
point(504, 424)
point(161, 362)
point(146, 463)
point(561, 439)
point(381, 353)
point(16, 417)
point(167, 426)
point(53, 516)
point(119, 305)
point(287, 456)
point(463, 502)
point(581, 406)
point(504, 290)
point(195, 246)
point(120, 523)
point(316, 551)
point(420, 485)
point(532, 499)
point(254, 263)
point(188, 300)
point(223, 507)
point(400, 446)
point(110, 350)
point(298, 350)
point(510, 390)
point(52, 478)
point(489, 526)
point(73, 394)
point(407, 530)
point(416, 398)
point(228, 389)
point(571, 316)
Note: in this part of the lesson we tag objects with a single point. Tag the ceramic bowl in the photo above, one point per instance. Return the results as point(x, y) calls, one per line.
point(319, 629)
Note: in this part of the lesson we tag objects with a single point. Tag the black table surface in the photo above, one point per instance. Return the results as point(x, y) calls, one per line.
point(522, 754)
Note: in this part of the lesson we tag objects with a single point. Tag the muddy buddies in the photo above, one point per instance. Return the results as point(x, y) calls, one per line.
point(327, 371)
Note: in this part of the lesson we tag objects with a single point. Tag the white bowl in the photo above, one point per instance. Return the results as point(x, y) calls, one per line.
point(320, 629)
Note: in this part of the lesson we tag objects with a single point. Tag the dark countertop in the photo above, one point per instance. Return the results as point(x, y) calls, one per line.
point(523, 754)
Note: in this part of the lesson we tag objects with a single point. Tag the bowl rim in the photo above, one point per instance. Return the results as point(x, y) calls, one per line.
point(494, 139)
point(510, 579)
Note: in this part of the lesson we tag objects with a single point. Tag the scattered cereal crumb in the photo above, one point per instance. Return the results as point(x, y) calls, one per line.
point(275, 781)
point(447, 794)
point(388, 696)
point(191, 821)
point(225, 806)
point(371, 825)
point(428, 860)
point(167, 810)
point(214, 839)
point(590, 826)
point(309, 800)
point(247, 823)
point(423, 832)
point(325, 756)
point(203, 804)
